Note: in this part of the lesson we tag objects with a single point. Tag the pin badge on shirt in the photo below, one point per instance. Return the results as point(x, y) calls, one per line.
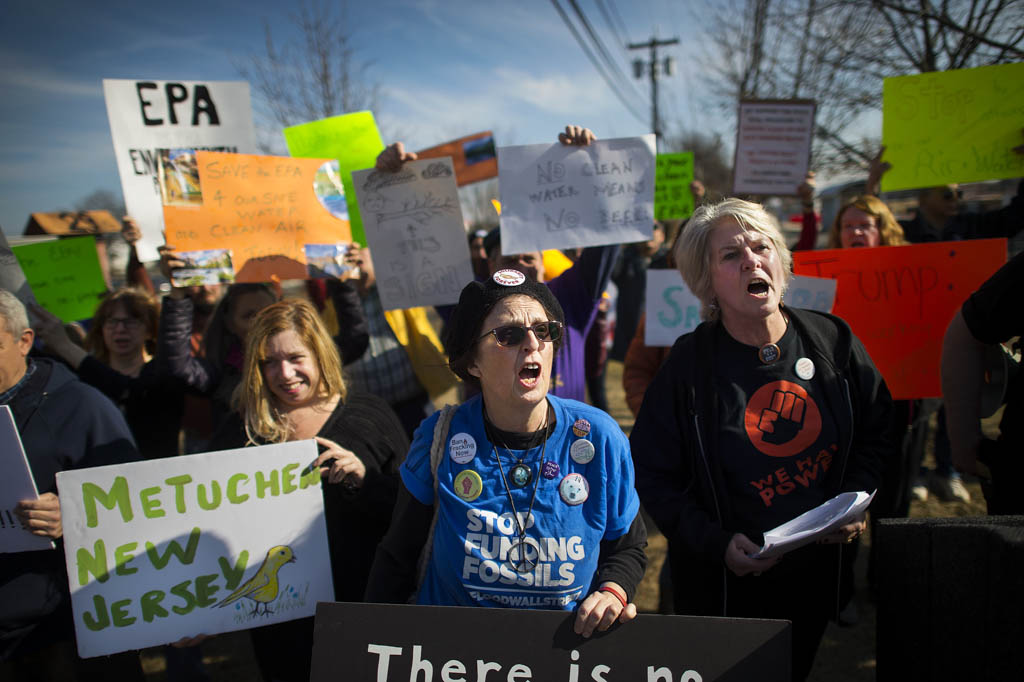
point(468, 485)
point(582, 451)
point(574, 489)
point(581, 428)
point(804, 368)
point(462, 448)
point(550, 470)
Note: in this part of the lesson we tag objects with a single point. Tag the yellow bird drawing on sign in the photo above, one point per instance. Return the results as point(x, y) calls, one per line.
point(262, 587)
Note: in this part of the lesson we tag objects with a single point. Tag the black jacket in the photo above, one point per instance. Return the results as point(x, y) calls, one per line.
point(679, 476)
point(64, 424)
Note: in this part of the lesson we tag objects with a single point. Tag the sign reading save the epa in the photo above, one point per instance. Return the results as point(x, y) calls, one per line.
point(171, 548)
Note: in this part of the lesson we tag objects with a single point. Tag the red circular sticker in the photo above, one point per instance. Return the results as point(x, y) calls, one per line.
point(781, 419)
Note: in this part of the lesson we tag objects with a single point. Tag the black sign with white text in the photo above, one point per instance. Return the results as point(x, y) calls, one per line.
point(391, 643)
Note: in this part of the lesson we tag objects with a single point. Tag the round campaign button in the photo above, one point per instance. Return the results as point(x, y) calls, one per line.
point(550, 470)
point(581, 428)
point(462, 448)
point(805, 368)
point(468, 485)
point(509, 277)
point(581, 451)
point(574, 489)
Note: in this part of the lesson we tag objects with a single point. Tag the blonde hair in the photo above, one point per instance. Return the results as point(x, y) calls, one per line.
point(691, 251)
point(889, 231)
point(252, 398)
point(137, 304)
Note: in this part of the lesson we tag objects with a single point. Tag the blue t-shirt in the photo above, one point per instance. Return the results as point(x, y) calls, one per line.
point(475, 534)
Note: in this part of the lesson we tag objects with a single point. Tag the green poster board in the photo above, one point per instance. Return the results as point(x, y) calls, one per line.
point(953, 126)
point(65, 276)
point(352, 139)
point(672, 197)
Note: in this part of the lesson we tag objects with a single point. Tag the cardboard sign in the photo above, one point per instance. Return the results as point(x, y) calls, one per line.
point(474, 157)
point(672, 197)
point(773, 146)
point(391, 643)
point(555, 196)
point(415, 231)
point(264, 209)
point(12, 277)
point(673, 310)
point(208, 543)
point(146, 116)
point(351, 139)
point(65, 276)
point(952, 126)
point(899, 300)
point(16, 485)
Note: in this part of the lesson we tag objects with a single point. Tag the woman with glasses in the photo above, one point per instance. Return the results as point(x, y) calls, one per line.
point(516, 498)
point(118, 360)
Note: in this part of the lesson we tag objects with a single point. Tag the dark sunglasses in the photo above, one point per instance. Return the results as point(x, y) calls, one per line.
point(515, 334)
point(950, 194)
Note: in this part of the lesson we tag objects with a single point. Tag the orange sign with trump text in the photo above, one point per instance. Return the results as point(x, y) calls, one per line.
point(264, 209)
point(900, 299)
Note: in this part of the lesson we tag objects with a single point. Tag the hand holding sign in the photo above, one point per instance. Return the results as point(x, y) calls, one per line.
point(41, 516)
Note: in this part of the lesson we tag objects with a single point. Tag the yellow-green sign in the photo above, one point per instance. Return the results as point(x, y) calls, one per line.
point(65, 276)
point(672, 177)
point(352, 139)
point(953, 126)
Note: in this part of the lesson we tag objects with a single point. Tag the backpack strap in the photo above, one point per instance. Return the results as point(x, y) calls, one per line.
point(437, 448)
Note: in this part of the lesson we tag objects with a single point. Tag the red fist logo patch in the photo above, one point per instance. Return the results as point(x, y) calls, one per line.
point(782, 420)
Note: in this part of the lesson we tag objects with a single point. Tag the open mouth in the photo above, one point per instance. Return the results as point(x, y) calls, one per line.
point(529, 373)
point(758, 287)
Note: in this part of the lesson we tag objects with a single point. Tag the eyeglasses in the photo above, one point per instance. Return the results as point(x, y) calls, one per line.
point(126, 322)
point(515, 334)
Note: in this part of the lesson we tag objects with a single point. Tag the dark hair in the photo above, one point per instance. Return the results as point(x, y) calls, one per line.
point(138, 304)
point(476, 302)
point(217, 337)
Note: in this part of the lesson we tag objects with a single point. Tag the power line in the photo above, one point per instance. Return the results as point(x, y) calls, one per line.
point(595, 62)
point(611, 26)
point(618, 17)
point(595, 39)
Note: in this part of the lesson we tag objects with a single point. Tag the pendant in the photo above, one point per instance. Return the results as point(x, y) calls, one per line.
point(519, 557)
point(521, 475)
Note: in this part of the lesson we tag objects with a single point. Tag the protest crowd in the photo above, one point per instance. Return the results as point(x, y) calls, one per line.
point(523, 492)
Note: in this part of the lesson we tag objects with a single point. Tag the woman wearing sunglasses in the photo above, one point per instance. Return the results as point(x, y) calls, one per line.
point(523, 499)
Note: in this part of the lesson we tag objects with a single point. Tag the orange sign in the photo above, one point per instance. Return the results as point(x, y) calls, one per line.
point(899, 300)
point(474, 157)
point(265, 209)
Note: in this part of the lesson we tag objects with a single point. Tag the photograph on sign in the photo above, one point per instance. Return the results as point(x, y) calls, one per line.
point(415, 231)
point(179, 177)
point(149, 115)
point(899, 300)
point(556, 196)
point(350, 139)
point(474, 157)
point(952, 126)
point(171, 548)
point(324, 261)
point(773, 146)
point(212, 266)
point(264, 209)
point(65, 275)
point(16, 485)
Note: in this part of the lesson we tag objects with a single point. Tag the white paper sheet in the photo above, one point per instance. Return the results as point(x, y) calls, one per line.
point(16, 485)
point(813, 524)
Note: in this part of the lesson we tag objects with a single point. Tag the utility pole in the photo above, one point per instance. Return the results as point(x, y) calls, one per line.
point(639, 66)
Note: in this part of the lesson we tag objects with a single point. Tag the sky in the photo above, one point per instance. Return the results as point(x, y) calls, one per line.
point(446, 68)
